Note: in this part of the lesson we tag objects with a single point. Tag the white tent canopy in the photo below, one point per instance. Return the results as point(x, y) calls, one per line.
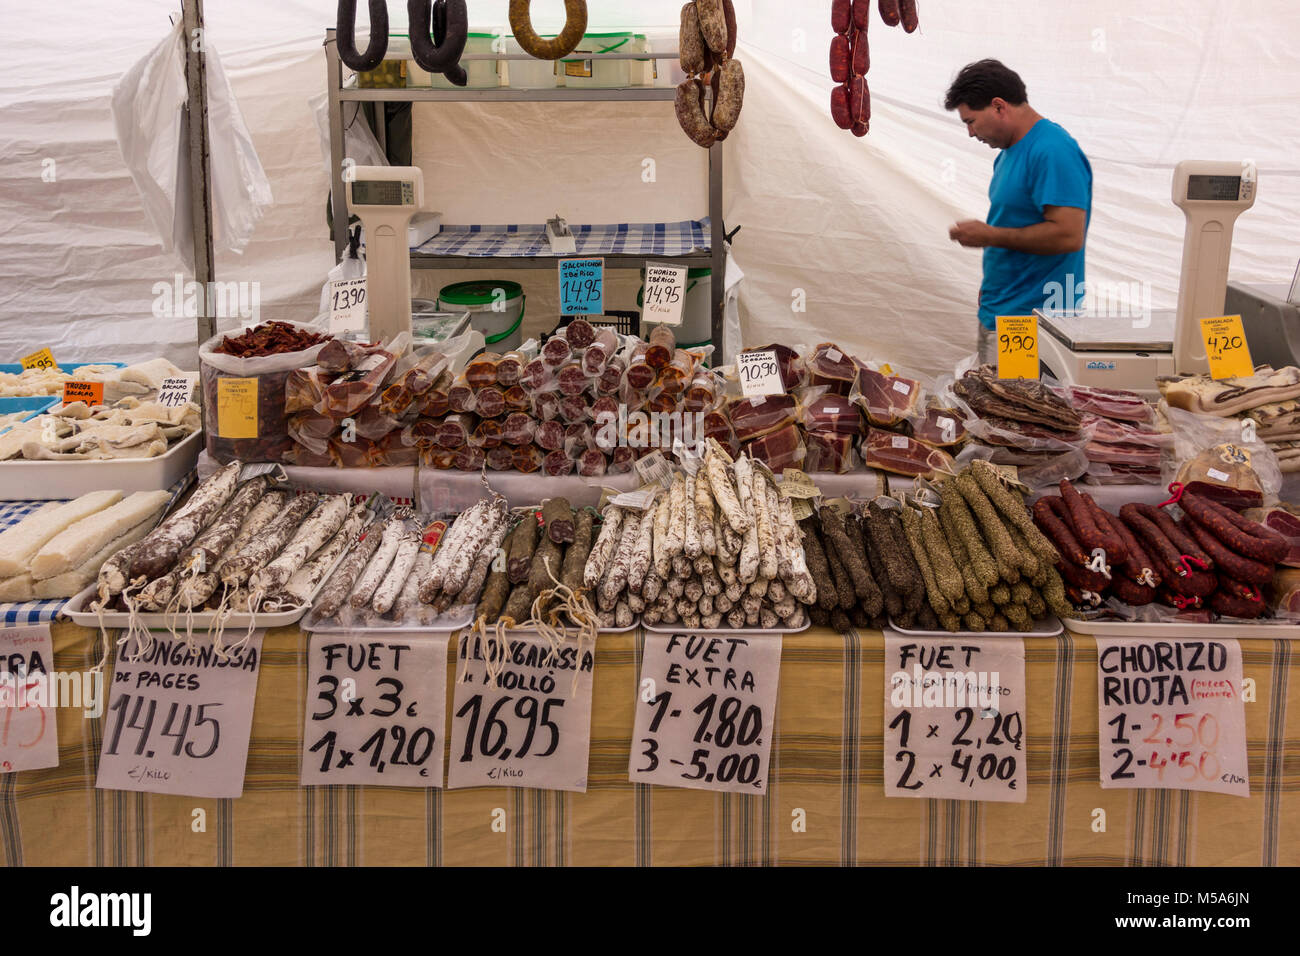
point(856, 228)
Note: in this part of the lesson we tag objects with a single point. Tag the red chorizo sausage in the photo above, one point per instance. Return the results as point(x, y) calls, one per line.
point(1075, 596)
point(841, 15)
point(1132, 593)
point(1162, 549)
point(1106, 523)
point(1246, 537)
point(1195, 584)
point(1180, 601)
point(1053, 523)
point(890, 13)
point(1228, 561)
point(1178, 537)
point(1082, 577)
point(1085, 524)
point(1139, 565)
point(1229, 605)
point(1240, 589)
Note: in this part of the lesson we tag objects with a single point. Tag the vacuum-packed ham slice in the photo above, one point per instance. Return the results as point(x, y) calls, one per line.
point(754, 417)
point(832, 367)
point(1111, 403)
point(829, 452)
point(833, 415)
point(901, 455)
point(939, 427)
point(887, 399)
point(780, 449)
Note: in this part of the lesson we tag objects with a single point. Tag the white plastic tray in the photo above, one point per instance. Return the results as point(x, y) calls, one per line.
point(79, 610)
point(1046, 627)
point(727, 631)
point(45, 480)
point(455, 618)
point(531, 631)
point(1264, 630)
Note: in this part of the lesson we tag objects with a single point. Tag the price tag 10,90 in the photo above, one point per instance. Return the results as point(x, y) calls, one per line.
point(178, 721)
point(706, 711)
point(1017, 346)
point(348, 312)
point(760, 374)
point(526, 724)
point(664, 294)
point(1171, 717)
point(175, 392)
point(955, 719)
point(375, 711)
point(28, 732)
point(1226, 347)
point(581, 286)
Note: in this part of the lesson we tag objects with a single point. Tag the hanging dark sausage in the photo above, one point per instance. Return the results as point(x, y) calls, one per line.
point(430, 55)
point(456, 75)
point(346, 35)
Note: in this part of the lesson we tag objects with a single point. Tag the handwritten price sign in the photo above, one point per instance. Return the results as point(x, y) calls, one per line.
point(760, 374)
point(1017, 346)
point(178, 721)
point(348, 311)
point(29, 739)
point(706, 712)
point(42, 359)
point(665, 293)
point(526, 727)
point(1171, 715)
point(955, 719)
point(581, 286)
point(1226, 347)
point(175, 392)
point(375, 711)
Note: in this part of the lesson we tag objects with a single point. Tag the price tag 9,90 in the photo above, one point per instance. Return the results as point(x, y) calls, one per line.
point(1017, 346)
point(1226, 347)
point(760, 374)
point(581, 286)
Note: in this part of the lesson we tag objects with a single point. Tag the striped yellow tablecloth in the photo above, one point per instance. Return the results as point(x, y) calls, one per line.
point(826, 762)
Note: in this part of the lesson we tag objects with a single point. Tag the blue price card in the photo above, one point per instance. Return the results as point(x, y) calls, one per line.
point(582, 286)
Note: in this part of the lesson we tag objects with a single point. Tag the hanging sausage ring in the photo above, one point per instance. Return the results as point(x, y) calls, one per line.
point(346, 38)
point(706, 42)
point(575, 25)
point(441, 54)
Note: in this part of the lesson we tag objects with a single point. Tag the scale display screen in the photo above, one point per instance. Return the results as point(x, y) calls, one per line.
point(1214, 188)
point(373, 192)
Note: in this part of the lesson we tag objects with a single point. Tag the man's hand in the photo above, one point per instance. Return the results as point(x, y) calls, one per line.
point(971, 233)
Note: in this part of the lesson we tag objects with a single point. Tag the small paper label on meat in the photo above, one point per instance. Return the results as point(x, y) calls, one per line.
point(1217, 475)
point(898, 441)
point(903, 387)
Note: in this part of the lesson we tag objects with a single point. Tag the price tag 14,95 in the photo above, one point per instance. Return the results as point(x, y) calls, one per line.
point(348, 305)
point(706, 711)
point(1226, 347)
point(664, 294)
point(582, 286)
point(760, 374)
point(1017, 346)
point(525, 724)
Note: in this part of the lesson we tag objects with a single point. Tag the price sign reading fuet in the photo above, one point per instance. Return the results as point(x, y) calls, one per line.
point(582, 283)
point(29, 738)
point(664, 295)
point(526, 724)
point(1171, 716)
point(175, 392)
point(955, 719)
point(760, 374)
point(706, 711)
point(375, 710)
point(178, 720)
point(237, 407)
point(1017, 346)
point(42, 359)
point(348, 305)
point(1226, 347)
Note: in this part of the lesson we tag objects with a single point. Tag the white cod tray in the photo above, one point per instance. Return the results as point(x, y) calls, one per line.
point(79, 610)
point(455, 618)
point(1044, 627)
point(1264, 630)
point(46, 480)
point(727, 631)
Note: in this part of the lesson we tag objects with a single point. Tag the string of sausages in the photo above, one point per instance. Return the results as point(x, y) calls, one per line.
point(706, 44)
point(851, 56)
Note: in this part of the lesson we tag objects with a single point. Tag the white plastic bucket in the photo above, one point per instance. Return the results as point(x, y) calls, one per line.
point(608, 74)
point(495, 307)
point(697, 312)
point(528, 74)
point(483, 74)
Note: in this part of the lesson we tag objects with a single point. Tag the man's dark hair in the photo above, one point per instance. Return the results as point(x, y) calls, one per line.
point(978, 83)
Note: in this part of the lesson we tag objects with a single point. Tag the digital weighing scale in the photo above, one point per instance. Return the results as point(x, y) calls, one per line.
point(1129, 352)
point(386, 198)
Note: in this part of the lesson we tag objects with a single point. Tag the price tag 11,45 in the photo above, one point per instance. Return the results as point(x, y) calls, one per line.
point(175, 392)
point(1017, 346)
point(664, 294)
point(375, 711)
point(1226, 347)
point(348, 305)
point(582, 284)
point(706, 711)
point(760, 374)
point(955, 719)
point(178, 721)
point(28, 733)
point(1172, 717)
point(525, 724)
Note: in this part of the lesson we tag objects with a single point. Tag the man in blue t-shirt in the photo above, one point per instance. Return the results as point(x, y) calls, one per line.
point(1040, 201)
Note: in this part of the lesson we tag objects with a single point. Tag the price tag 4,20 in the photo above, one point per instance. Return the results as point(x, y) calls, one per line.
point(1226, 347)
point(1017, 346)
point(664, 295)
point(348, 311)
point(582, 286)
point(760, 374)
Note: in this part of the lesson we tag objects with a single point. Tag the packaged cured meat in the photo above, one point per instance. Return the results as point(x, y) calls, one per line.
point(340, 355)
point(455, 431)
point(702, 392)
point(488, 434)
point(556, 351)
point(304, 388)
point(592, 463)
point(640, 373)
point(374, 423)
point(598, 354)
point(557, 463)
point(527, 458)
point(1111, 403)
point(611, 379)
point(580, 334)
point(829, 365)
point(517, 400)
point(490, 402)
point(574, 409)
point(312, 431)
point(303, 457)
point(902, 455)
point(352, 454)
point(500, 459)
point(830, 452)
point(780, 449)
point(887, 399)
point(550, 436)
point(393, 453)
point(470, 458)
point(661, 346)
point(794, 374)
point(462, 397)
point(572, 379)
point(1286, 523)
point(546, 405)
point(621, 460)
point(519, 428)
point(938, 427)
point(717, 426)
point(754, 417)
point(831, 415)
point(482, 370)
point(536, 375)
point(435, 402)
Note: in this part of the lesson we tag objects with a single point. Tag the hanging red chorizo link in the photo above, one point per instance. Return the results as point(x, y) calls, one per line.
point(1053, 524)
point(1228, 561)
point(890, 13)
point(1248, 538)
point(841, 15)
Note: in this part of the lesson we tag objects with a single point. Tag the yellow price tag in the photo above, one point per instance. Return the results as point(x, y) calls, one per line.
point(42, 359)
point(237, 408)
point(1226, 347)
point(1017, 346)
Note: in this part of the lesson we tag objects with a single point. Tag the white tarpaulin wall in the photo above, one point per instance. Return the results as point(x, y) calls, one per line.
point(860, 226)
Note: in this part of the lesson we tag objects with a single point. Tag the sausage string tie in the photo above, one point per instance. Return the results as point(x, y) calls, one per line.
point(1176, 490)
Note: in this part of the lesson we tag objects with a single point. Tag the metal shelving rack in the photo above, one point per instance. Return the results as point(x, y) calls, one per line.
point(339, 94)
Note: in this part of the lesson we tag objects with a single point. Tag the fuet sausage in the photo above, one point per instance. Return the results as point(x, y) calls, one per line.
point(1228, 561)
point(1248, 538)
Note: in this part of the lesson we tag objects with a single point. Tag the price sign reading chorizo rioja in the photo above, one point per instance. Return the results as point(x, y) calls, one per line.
point(525, 724)
point(1171, 715)
point(706, 711)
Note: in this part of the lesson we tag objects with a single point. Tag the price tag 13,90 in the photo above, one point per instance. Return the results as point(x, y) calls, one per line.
point(955, 719)
point(28, 733)
point(375, 711)
point(760, 374)
point(348, 305)
point(175, 392)
point(1226, 347)
point(178, 721)
point(706, 711)
point(1017, 346)
point(526, 724)
point(664, 294)
point(582, 284)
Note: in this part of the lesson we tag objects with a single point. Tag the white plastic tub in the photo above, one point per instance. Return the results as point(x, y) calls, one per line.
point(582, 73)
point(530, 73)
point(47, 480)
point(483, 74)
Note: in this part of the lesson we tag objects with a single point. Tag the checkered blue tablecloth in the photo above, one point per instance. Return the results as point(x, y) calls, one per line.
point(629, 238)
point(40, 612)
